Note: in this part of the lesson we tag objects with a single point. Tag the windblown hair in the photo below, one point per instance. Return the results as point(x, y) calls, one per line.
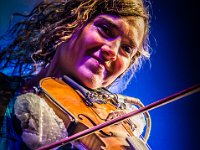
point(51, 23)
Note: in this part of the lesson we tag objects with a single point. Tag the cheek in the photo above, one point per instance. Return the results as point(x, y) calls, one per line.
point(125, 63)
point(121, 66)
point(91, 38)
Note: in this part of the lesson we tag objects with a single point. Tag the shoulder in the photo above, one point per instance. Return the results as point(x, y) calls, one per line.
point(9, 83)
point(8, 86)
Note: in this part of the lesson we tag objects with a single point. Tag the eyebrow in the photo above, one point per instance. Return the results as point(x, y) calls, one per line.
point(112, 24)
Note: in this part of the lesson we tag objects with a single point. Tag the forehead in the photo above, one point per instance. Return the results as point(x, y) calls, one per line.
point(131, 27)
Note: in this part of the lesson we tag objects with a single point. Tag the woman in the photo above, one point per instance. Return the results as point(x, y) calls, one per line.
point(96, 43)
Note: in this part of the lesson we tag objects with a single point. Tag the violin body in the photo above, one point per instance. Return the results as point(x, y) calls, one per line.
point(78, 116)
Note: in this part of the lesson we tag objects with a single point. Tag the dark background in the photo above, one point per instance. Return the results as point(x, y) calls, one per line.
point(174, 66)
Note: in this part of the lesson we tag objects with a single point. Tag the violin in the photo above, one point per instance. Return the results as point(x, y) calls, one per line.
point(80, 114)
point(88, 122)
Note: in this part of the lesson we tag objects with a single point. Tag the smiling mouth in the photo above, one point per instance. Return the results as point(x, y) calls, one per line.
point(99, 65)
point(102, 64)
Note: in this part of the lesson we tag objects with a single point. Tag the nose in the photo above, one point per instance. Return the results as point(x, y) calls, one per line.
point(110, 49)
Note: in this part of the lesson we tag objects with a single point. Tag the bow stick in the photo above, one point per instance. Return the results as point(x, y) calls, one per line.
point(149, 107)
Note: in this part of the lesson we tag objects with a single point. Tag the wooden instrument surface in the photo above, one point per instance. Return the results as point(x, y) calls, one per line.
point(70, 107)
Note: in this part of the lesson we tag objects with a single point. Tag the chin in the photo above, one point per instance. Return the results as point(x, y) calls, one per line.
point(92, 82)
point(90, 79)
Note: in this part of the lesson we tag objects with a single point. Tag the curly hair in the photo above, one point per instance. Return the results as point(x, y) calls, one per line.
point(53, 22)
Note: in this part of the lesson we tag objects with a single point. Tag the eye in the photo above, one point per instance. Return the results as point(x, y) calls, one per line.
point(105, 30)
point(128, 49)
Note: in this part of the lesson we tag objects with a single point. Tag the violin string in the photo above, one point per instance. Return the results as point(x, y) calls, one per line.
point(114, 97)
point(154, 105)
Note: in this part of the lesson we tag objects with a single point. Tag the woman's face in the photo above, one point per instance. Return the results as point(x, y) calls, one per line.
point(102, 50)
